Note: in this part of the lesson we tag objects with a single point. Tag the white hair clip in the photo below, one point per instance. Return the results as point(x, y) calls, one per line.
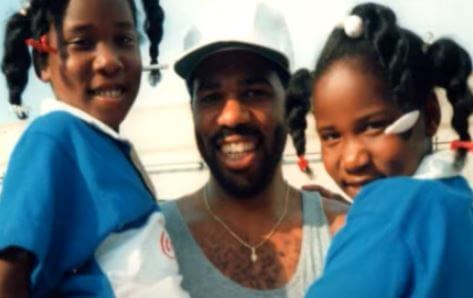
point(20, 111)
point(152, 67)
point(404, 123)
point(353, 26)
point(25, 8)
point(428, 40)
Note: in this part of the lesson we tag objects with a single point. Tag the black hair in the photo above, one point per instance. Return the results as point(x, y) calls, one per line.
point(409, 67)
point(297, 105)
point(34, 21)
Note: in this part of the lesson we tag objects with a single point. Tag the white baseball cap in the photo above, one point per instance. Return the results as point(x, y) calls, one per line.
point(237, 25)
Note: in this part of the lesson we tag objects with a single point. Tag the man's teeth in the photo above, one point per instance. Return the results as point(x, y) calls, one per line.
point(112, 93)
point(237, 148)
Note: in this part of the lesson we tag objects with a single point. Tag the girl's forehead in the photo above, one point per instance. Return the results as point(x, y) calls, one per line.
point(98, 11)
point(349, 89)
point(346, 78)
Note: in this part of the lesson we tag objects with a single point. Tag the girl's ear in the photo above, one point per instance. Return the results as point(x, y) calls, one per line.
point(432, 116)
point(45, 74)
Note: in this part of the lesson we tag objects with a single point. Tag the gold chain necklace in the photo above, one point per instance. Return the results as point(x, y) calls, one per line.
point(252, 248)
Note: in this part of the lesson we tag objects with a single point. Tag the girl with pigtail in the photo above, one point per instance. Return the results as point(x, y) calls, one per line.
point(376, 112)
point(78, 212)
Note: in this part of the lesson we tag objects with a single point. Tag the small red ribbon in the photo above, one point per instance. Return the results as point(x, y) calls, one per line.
point(461, 145)
point(304, 166)
point(41, 46)
point(302, 163)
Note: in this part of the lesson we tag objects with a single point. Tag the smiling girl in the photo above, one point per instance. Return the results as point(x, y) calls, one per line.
point(78, 213)
point(376, 112)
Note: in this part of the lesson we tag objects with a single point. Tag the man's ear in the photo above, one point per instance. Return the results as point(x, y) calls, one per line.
point(432, 116)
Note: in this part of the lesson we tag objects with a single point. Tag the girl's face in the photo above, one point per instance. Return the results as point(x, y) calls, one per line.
point(351, 112)
point(98, 70)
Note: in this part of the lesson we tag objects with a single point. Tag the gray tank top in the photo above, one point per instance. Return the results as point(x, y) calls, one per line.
point(203, 279)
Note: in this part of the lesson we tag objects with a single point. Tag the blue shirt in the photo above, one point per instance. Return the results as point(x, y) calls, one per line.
point(403, 238)
point(67, 187)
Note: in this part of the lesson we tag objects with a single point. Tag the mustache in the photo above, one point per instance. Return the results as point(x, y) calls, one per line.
point(242, 129)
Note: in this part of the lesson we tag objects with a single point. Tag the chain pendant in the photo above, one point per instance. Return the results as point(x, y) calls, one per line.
point(254, 257)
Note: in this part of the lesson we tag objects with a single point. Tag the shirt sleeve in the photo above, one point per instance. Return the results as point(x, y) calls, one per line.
point(29, 200)
point(367, 258)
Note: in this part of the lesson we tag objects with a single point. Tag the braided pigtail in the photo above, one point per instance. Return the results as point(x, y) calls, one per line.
point(409, 68)
point(154, 30)
point(451, 66)
point(31, 22)
point(400, 55)
point(297, 106)
point(16, 59)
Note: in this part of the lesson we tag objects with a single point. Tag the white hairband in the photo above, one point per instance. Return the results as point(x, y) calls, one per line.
point(353, 26)
point(25, 8)
point(404, 123)
point(21, 112)
point(152, 67)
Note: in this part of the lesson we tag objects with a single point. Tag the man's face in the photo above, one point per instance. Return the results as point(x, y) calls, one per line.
point(238, 110)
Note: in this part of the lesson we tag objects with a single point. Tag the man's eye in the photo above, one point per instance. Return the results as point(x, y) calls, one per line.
point(209, 98)
point(256, 94)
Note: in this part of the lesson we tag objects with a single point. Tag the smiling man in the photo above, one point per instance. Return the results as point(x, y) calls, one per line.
point(246, 232)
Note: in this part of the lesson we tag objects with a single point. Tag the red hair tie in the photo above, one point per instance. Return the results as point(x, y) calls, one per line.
point(304, 166)
point(461, 145)
point(41, 46)
point(302, 163)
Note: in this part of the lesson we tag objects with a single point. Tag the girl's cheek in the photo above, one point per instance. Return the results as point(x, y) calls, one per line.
point(329, 160)
point(390, 156)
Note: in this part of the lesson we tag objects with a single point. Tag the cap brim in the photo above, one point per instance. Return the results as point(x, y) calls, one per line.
point(188, 63)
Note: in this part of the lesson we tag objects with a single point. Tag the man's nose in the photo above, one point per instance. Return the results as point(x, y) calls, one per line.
point(233, 113)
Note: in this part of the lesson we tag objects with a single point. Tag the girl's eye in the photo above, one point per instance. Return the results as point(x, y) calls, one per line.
point(126, 40)
point(328, 137)
point(81, 43)
point(375, 126)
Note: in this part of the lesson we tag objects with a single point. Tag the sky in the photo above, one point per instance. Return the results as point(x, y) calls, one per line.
point(309, 23)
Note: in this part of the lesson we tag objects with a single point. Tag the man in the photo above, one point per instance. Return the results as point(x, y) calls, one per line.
point(246, 232)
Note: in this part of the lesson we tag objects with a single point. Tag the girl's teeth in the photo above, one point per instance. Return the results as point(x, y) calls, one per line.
point(110, 93)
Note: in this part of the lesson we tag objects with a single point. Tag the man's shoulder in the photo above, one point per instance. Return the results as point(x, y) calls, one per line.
point(168, 208)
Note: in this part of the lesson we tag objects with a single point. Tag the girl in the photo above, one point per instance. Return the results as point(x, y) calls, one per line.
point(376, 113)
point(77, 210)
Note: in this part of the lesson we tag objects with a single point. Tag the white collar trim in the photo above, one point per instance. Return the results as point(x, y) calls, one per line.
point(436, 166)
point(53, 105)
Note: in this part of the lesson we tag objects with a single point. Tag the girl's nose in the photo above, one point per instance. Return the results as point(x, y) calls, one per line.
point(107, 61)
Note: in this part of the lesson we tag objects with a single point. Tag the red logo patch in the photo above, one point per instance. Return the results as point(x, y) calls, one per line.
point(166, 245)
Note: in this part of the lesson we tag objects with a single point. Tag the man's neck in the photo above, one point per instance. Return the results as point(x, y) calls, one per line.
point(268, 203)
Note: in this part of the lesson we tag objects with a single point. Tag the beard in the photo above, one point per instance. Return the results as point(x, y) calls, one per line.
point(239, 184)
